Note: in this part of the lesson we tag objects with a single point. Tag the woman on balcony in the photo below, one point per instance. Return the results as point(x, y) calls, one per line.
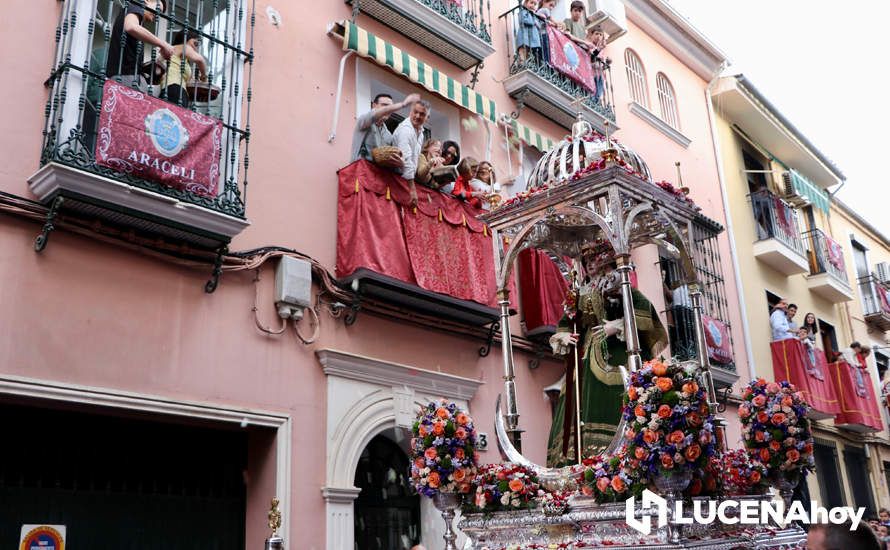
point(179, 69)
point(430, 157)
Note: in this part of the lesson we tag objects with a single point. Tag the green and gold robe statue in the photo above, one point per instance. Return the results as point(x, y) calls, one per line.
point(601, 384)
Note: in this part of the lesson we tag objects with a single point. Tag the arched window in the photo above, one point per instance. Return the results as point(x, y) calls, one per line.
point(636, 78)
point(667, 100)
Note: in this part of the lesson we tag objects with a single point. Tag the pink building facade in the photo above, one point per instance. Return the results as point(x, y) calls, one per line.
point(110, 344)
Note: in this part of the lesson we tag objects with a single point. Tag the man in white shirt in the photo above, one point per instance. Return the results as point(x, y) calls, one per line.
point(409, 138)
point(778, 322)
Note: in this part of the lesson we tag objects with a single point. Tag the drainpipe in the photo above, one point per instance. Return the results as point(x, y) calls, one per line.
point(746, 331)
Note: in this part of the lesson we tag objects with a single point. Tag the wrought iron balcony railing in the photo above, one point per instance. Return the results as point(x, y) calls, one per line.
point(825, 255)
point(875, 301)
point(775, 219)
point(83, 63)
point(467, 14)
point(601, 101)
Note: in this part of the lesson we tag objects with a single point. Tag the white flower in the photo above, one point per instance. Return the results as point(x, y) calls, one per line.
point(505, 499)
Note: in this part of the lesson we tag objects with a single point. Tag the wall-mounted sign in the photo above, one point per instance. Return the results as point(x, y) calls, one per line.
point(42, 537)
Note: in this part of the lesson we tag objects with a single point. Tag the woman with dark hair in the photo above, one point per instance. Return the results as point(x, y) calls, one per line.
point(450, 157)
point(807, 334)
point(179, 69)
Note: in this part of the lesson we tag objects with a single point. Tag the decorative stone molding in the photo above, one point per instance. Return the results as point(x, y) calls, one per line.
point(659, 124)
point(384, 373)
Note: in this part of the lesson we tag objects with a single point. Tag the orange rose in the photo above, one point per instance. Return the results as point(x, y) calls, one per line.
point(694, 419)
point(438, 428)
point(675, 437)
point(632, 393)
point(664, 384)
point(778, 419)
point(422, 431)
point(667, 462)
point(774, 445)
point(665, 411)
point(787, 401)
point(516, 485)
point(462, 419)
point(650, 436)
point(762, 417)
point(764, 455)
point(460, 433)
point(808, 448)
point(431, 453)
point(433, 480)
point(692, 452)
point(602, 484)
point(659, 369)
point(641, 453)
point(419, 462)
point(459, 454)
point(587, 490)
point(630, 434)
point(618, 485)
point(793, 455)
point(744, 411)
point(639, 411)
point(755, 476)
point(690, 387)
point(442, 412)
point(759, 436)
point(459, 475)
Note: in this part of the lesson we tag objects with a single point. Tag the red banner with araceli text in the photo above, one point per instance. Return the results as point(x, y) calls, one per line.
point(718, 339)
point(570, 59)
point(155, 140)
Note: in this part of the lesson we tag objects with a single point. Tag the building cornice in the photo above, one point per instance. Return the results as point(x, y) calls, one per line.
point(659, 124)
point(663, 23)
point(375, 371)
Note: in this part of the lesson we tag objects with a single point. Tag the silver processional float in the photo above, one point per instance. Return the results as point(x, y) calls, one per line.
point(587, 193)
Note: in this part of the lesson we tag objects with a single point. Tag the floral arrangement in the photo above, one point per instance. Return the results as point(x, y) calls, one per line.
point(443, 450)
point(610, 479)
point(669, 425)
point(776, 430)
point(739, 473)
point(681, 194)
point(503, 487)
point(554, 503)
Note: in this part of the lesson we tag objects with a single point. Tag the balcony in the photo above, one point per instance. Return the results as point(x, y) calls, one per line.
point(435, 261)
point(181, 178)
point(778, 243)
point(457, 31)
point(875, 301)
point(536, 83)
point(828, 273)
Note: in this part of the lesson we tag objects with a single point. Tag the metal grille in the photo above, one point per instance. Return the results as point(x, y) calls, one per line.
point(636, 78)
point(89, 51)
point(667, 101)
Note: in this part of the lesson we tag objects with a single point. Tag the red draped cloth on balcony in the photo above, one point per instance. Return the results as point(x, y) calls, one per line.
point(858, 405)
point(440, 246)
point(543, 290)
point(791, 362)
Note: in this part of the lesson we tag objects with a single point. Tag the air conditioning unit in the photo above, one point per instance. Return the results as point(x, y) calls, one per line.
point(882, 271)
point(790, 193)
point(610, 15)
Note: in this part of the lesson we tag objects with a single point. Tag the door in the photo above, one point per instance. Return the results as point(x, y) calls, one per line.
point(857, 473)
point(828, 475)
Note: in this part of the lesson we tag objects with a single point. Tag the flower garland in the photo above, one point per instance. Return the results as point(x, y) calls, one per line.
point(776, 430)
point(669, 425)
point(610, 479)
point(503, 487)
point(739, 473)
point(554, 503)
point(443, 450)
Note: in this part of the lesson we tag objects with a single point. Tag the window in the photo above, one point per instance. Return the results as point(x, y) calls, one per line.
point(882, 361)
point(636, 78)
point(667, 101)
point(860, 258)
point(828, 474)
point(829, 338)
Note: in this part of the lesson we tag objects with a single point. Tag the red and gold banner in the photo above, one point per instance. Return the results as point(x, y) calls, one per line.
point(718, 339)
point(570, 59)
point(859, 407)
point(793, 362)
point(155, 140)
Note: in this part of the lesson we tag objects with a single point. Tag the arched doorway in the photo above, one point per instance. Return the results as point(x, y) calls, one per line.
point(387, 512)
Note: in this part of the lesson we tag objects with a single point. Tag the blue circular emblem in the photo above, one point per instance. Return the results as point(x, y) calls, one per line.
point(166, 131)
point(716, 335)
point(571, 55)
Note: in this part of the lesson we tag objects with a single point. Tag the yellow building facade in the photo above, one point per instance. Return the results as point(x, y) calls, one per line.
point(792, 240)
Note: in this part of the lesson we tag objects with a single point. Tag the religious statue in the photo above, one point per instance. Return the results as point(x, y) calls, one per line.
point(591, 335)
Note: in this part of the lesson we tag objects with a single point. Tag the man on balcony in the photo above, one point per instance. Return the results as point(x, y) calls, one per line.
point(409, 138)
point(127, 36)
point(779, 321)
point(370, 128)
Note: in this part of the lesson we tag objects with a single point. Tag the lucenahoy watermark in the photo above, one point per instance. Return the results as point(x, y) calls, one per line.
point(731, 512)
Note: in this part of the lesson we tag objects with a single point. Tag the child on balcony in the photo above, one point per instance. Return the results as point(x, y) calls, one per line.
point(485, 183)
point(528, 32)
point(545, 12)
point(462, 187)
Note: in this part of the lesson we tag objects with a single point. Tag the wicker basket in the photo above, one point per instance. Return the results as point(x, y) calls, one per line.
point(388, 156)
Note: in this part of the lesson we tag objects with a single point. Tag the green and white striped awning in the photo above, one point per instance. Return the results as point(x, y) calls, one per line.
point(530, 137)
point(805, 188)
point(367, 45)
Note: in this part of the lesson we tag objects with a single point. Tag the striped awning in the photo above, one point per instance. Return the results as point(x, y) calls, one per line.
point(367, 45)
point(805, 188)
point(530, 137)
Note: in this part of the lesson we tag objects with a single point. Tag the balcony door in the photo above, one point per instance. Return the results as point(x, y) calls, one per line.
point(831, 492)
point(857, 473)
point(860, 259)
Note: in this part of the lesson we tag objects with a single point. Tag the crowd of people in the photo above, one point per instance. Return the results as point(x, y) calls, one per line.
point(532, 41)
point(784, 327)
point(425, 161)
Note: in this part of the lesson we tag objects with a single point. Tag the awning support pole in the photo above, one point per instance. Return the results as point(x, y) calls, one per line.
point(333, 133)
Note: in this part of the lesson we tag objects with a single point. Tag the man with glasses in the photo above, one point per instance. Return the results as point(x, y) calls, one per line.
point(127, 36)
